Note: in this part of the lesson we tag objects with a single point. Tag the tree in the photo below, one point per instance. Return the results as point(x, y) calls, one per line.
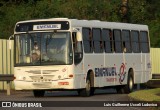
point(124, 11)
point(141, 12)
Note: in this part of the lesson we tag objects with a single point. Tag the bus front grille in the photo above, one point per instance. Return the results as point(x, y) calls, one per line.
point(42, 85)
point(42, 77)
point(34, 71)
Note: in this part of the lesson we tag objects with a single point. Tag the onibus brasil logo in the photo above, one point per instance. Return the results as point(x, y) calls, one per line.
point(122, 73)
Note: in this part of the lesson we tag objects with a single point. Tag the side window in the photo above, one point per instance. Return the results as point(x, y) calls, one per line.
point(97, 40)
point(87, 40)
point(126, 40)
point(144, 41)
point(135, 41)
point(107, 40)
point(77, 47)
point(118, 41)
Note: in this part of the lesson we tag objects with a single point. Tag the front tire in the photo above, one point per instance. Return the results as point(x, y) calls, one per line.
point(38, 93)
point(87, 91)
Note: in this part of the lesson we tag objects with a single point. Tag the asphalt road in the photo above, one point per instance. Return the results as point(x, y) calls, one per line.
point(100, 95)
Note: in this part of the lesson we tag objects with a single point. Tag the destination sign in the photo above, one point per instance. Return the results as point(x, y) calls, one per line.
point(42, 25)
point(47, 26)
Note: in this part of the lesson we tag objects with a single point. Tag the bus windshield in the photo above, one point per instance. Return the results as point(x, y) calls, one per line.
point(43, 49)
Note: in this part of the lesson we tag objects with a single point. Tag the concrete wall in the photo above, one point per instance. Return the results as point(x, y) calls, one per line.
point(6, 61)
point(155, 60)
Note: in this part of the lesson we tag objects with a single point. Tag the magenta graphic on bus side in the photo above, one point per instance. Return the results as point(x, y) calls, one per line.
point(122, 73)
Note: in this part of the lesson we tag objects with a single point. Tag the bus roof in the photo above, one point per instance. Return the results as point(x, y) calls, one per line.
point(94, 23)
point(110, 25)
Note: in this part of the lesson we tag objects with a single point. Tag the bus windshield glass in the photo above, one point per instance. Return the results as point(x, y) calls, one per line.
point(43, 49)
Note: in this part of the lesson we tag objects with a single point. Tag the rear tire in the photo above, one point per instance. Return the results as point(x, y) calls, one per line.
point(127, 88)
point(38, 93)
point(130, 84)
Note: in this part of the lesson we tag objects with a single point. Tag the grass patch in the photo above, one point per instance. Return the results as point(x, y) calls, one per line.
point(146, 95)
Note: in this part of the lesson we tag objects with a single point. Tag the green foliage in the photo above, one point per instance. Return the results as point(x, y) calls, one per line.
point(141, 12)
point(155, 32)
point(146, 95)
point(138, 11)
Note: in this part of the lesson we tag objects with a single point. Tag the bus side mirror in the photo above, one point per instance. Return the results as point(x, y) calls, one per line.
point(10, 42)
point(79, 36)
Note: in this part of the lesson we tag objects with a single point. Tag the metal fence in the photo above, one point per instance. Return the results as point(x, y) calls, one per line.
point(6, 61)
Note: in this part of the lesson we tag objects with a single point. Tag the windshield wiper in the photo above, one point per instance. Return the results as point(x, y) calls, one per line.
point(50, 37)
point(30, 36)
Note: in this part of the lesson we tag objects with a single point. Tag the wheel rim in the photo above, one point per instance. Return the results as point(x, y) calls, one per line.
point(88, 87)
point(130, 84)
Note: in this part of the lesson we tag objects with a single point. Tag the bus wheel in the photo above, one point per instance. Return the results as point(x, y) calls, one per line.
point(130, 84)
point(38, 93)
point(86, 92)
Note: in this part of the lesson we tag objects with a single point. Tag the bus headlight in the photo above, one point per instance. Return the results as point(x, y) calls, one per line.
point(21, 78)
point(65, 76)
point(24, 78)
point(59, 77)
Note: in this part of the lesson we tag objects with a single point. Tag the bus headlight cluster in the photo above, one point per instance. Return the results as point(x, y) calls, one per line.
point(65, 76)
point(21, 78)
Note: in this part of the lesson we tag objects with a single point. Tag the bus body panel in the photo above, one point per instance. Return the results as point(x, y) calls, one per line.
point(33, 77)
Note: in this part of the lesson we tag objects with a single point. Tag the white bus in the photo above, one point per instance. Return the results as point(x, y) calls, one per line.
point(82, 55)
